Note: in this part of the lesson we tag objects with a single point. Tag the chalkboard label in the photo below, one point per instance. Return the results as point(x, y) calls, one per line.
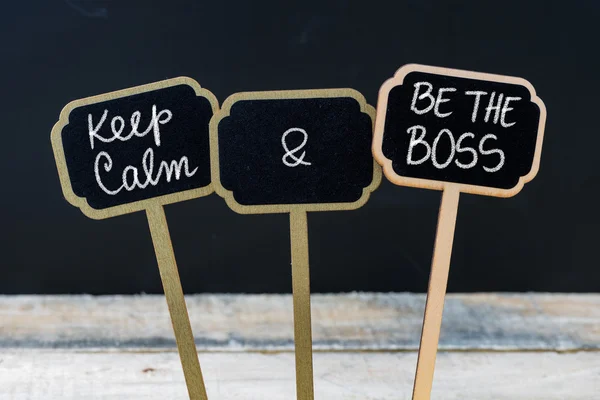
point(304, 150)
point(123, 151)
point(438, 126)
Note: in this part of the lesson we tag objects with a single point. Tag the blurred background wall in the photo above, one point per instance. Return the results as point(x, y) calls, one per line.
point(544, 239)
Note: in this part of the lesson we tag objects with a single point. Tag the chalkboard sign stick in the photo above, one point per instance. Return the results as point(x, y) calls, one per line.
point(169, 276)
point(139, 149)
point(438, 280)
point(301, 297)
point(460, 132)
point(295, 151)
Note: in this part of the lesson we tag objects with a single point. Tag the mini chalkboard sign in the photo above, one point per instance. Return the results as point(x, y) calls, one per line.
point(133, 149)
point(139, 149)
point(456, 131)
point(293, 152)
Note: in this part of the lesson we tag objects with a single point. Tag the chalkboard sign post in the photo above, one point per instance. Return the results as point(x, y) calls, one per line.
point(139, 149)
point(294, 152)
point(456, 131)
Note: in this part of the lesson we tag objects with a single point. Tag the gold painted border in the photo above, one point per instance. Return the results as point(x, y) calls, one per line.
point(61, 164)
point(441, 185)
point(224, 112)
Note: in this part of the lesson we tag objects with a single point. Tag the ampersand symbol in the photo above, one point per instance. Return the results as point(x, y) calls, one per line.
point(290, 154)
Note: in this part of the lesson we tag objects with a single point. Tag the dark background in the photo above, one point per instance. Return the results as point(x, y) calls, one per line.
point(544, 239)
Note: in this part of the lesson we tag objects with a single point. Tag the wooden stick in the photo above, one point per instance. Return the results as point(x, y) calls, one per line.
point(301, 295)
point(176, 302)
point(438, 281)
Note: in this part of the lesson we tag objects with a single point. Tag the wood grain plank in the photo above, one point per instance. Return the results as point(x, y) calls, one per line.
point(359, 321)
point(36, 374)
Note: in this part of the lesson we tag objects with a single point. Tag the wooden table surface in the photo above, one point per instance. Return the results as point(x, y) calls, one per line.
point(493, 347)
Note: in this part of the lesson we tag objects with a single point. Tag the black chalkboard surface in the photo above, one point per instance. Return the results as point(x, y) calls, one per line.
point(118, 151)
point(309, 148)
point(481, 131)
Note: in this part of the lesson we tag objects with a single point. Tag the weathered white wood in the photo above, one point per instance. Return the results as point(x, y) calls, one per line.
point(121, 347)
point(37, 374)
point(562, 322)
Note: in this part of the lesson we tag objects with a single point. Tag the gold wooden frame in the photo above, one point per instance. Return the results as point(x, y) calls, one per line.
point(281, 95)
point(59, 155)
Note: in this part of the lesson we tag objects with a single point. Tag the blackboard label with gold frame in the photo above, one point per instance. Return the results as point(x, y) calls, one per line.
point(123, 151)
point(292, 150)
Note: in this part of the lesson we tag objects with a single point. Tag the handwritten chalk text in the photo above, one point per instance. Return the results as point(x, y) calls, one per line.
point(131, 177)
point(425, 99)
point(292, 153)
